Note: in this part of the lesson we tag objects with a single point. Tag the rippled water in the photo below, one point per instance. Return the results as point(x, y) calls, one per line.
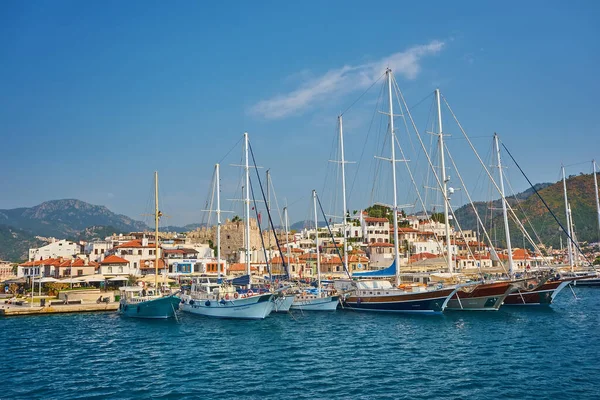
point(509, 354)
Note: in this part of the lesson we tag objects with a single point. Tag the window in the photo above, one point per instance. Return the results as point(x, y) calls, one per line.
point(121, 269)
point(139, 252)
point(96, 251)
point(79, 272)
point(109, 270)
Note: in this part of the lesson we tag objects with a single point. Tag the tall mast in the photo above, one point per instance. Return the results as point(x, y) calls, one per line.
point(569, 247)
point(596, 193)
point(268, 211)
point(444, 184)
point(573, 236)
point(287, 239)
point(156, 217)
point(393, 160)
point(504, 213)
point(344, 195)
point(317, 244)
point(247, 170)
point(218, 183)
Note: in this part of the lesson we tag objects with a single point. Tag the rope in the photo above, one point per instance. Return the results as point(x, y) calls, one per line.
point(268, 212)
point(546, 205)
point(332, 237)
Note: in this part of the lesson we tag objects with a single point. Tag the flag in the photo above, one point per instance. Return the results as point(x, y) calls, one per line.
point(259, 217)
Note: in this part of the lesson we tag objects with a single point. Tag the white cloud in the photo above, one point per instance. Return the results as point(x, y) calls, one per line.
point(344, 80)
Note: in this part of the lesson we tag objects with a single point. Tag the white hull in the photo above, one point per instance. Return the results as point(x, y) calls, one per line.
point(328, 303)
point(255, 307)
point(283, 303)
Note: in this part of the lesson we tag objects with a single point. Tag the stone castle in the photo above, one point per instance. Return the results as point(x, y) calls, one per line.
point(233, 237)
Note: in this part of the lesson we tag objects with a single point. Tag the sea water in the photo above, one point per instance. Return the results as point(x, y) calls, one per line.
point(515, 353)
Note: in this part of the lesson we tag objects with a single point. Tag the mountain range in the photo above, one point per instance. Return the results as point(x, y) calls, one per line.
point(78, 220)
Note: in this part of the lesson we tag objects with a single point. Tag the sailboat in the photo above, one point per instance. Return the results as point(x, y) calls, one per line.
point(485, 296)
point(379, 295)
point(221, 299)
point(136, 301)
point(543, 291)
point(320, 301)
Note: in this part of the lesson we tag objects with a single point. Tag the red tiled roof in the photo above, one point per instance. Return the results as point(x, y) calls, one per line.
point(407, 230)
point(136, 243)
point(112, 259)
point(381, 245)
point(375, 219)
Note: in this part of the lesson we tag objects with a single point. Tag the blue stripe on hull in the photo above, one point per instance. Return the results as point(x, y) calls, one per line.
point(433, 306)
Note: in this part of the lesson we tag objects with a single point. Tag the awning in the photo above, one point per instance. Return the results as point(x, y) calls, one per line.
point(48, 279)
point(118, 278)
point(71, 280)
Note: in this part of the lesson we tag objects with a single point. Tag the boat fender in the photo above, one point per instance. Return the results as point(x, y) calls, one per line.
point(358, 301)
point(227, 296)
point(191, 302)
point(207, 303)
point(235, 295)
point(250, 292)
point(222, 301)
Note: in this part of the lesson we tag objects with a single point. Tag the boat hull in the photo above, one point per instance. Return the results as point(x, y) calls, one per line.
point(159, 308)
point(282, 304)
point(328, 303)
point(483, 297)
point(587, 282)
point(255, 307)
point(542, 295)
point(431, 302)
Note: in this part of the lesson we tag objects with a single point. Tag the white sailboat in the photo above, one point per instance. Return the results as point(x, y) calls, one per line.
point(137, 302)
point(320, 301)
point(221, 299)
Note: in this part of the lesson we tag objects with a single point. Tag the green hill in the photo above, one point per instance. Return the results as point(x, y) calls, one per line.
point(533, 214)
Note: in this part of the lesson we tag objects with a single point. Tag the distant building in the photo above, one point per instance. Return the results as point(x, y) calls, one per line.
point(56, 249)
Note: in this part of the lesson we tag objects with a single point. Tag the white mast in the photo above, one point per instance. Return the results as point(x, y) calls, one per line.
point(572, 228)
point(268, 211)
point(504, 213)
point(247, 201)
point(444, 184)
point(156, 218)
point(596, 193)
point(218, 183)
point(393, 160)
point(569, 246)
point(287, 238)
point(344, 195)
point(317, 244)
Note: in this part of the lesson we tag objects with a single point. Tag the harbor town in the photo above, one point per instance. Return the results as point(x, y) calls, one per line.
point(307, 200)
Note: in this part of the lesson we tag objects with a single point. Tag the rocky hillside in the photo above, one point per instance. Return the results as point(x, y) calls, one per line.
point(66, 218)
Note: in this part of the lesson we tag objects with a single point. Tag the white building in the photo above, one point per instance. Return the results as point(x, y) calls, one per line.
point(96, 250)
point(376, 230)
point(56, 249)
point(134, 251)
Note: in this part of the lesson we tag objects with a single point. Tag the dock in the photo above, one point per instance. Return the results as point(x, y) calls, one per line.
point(14, 310)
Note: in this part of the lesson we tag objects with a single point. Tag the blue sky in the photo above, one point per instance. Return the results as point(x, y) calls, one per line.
point(94, 96)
